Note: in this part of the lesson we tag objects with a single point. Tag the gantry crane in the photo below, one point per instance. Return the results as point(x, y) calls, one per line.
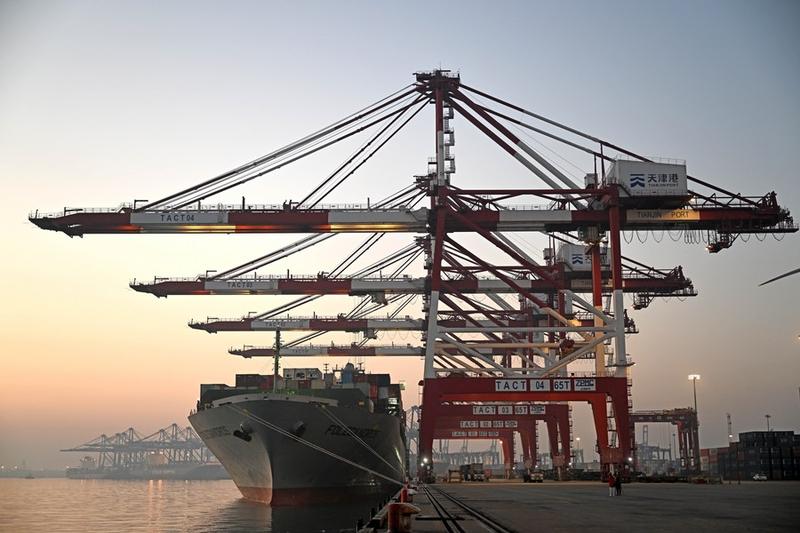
point(688, 433)
point(550, 326)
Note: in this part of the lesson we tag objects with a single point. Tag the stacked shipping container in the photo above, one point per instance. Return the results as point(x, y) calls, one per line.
point(776, 454)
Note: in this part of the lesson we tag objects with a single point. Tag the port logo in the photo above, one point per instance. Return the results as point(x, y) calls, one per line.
point(637, 180)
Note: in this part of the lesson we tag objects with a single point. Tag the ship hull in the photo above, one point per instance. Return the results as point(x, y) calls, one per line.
point(274, 468)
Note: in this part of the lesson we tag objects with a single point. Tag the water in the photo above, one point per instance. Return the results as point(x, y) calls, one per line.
point(64, 505)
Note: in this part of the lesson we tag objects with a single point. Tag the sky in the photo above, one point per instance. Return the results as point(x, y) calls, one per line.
point(107, 102)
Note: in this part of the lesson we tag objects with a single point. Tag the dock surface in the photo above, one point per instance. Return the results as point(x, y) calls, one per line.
point(575, 506)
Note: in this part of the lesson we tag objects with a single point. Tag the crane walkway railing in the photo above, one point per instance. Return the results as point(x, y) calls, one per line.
point(331, 318)
point(655, 274)
point(659, 275)
point(256, 208)
point(268, 208)
point(290, 277)
point(331, 345)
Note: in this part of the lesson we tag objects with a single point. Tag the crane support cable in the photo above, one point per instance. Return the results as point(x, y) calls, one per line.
point(406, 264)
point(516, 140)
point(353, 257)
point(288, 157)
point(280, 162)
point(398, 196)
point(370, 241)
point(353, 118)
point(275, 255)
point(272, 313)
point(360, 307)
point(384, 261)
point(597, 140)
point(361, 150)
point(304, 338)
point(357, 312)
point(545, 119)
point(368, 310)
point(545, 133)
point(284, 160)
point(370, 109)
point(512, 151)
point(250, 177)
point(403, 305)
point(369, 156)
point(389, 260)
point(358, 439)
point(301, 244)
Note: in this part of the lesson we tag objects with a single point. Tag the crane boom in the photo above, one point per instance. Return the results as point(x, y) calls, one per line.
point(79, 222)
point(162, 287)
point(340, 323)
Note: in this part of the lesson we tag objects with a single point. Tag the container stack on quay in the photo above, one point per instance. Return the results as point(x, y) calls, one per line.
point(775, 454)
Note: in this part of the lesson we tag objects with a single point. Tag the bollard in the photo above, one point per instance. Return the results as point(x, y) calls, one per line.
point(400, 514)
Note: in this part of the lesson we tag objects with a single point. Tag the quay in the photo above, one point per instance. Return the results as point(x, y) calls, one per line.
point(505, 506)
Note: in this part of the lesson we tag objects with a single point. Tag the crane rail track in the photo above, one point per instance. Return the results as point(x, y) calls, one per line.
point(450, 522)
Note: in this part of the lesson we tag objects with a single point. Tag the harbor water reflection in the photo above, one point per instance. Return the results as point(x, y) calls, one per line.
point(68, 505)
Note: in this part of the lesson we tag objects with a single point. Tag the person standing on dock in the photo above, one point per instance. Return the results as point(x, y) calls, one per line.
point(611, 484)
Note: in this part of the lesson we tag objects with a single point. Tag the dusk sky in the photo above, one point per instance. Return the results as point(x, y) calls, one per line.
point(106, 102)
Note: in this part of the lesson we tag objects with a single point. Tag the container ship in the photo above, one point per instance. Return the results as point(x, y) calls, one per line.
point(306, 437)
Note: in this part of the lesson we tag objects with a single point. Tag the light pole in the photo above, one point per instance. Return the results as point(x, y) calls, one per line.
point(767, 417)
point(730, 429)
